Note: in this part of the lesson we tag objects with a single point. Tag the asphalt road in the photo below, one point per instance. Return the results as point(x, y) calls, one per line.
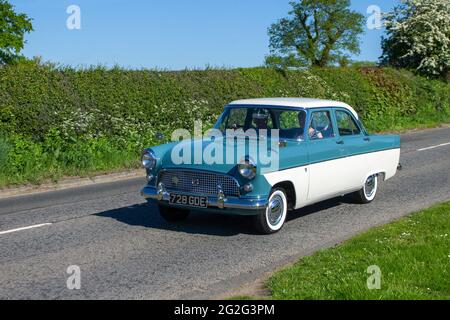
point(126, 251)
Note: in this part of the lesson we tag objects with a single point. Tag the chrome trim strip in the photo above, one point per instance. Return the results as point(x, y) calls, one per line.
point(228, 203)
point(305, 164)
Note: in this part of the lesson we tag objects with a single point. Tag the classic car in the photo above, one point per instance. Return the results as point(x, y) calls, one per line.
point(323, 151)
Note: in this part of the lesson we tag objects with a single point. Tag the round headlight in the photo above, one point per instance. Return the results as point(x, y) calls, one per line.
point(148, 160)
point(247, 169)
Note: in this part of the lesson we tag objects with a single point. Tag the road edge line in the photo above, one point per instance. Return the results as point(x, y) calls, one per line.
point(69, 183)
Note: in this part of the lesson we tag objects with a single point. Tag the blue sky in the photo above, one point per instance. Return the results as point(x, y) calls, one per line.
point(168, 34)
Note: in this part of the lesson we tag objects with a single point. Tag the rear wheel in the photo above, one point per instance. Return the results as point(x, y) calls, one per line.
point(273, 218)
point(368, 193)
point(172, 214)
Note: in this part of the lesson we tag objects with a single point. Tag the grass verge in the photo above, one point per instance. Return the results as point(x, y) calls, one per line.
point(413, 255)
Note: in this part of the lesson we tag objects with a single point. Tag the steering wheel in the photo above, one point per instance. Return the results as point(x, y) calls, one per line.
point(316, 134)
point(236, 126)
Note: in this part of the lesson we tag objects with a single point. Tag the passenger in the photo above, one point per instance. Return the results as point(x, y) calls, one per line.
point(261, 120)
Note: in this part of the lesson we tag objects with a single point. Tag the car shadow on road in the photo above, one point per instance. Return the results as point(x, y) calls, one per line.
point(321, 206)
point(147, 215)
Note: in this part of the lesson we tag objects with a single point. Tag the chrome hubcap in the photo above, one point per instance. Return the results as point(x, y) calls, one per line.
point(369, 187)
point(275, 210)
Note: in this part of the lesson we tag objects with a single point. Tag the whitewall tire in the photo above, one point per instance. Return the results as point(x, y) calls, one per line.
point(369, 191)
point(273, 218)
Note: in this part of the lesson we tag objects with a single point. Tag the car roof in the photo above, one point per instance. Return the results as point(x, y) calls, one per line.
point(304, 103)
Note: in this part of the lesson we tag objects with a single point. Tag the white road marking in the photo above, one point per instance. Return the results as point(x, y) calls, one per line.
point(25, 228)
point(434, 147)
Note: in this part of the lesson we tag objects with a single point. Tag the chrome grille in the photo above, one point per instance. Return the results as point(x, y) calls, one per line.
point(199, 182)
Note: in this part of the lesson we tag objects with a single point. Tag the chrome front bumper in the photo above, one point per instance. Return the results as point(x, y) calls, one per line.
point(220, 201)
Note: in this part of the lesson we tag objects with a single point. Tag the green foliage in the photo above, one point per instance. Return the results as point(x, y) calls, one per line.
point(4, 152)
point(13, 27)
point(61, 121)
point(363, 64)
point(317, 32)
point(412, 255)
point(284, 62)
point(418, 37)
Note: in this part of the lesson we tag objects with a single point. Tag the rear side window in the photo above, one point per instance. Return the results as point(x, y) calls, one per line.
point(346, 124)
point(292, 124)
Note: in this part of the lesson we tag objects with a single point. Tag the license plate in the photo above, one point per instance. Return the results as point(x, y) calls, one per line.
point(190, 201)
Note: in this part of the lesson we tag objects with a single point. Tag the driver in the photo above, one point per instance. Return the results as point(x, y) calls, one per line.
point(315, 134)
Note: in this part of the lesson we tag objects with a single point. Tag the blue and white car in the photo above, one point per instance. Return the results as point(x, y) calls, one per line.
point(322, 150)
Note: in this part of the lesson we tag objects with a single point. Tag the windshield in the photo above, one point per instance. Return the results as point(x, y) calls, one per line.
point(289, 122)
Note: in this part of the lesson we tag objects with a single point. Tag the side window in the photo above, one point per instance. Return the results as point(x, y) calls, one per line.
point(346, 124)
point(292, 124)
point(289, 119)
point(321, 126)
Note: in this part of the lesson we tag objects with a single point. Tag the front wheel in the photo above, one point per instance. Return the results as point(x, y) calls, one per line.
point(272, 219)
point(368, 193)
point(173, 215)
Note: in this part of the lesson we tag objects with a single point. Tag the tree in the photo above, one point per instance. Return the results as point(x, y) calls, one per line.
point(316, 33)
point(418, 37)
point(13, 28)
point(363, 64)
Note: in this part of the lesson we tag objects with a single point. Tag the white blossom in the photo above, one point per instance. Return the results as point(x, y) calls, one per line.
point(424, 26)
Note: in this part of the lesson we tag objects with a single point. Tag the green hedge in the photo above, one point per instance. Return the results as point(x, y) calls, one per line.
point(61, 121)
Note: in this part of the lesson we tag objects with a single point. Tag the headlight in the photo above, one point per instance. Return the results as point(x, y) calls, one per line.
point(247, 169)
point(148, 160)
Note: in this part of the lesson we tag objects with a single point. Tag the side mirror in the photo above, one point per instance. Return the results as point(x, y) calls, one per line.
point(159, 136)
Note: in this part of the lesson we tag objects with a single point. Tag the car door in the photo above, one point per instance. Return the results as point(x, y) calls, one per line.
point(356, 145)
point(325, 156)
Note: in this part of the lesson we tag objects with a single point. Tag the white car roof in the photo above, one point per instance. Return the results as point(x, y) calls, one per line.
point(305, 103)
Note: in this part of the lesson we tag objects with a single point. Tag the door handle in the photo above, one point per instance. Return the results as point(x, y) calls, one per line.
point(367, 139)
point(340, 142)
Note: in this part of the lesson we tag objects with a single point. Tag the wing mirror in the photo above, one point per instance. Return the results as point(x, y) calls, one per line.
point(159, 136)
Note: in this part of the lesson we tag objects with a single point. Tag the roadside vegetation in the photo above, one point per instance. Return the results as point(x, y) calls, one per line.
point(62, 121)
point(412, 254)
point(59, 121)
